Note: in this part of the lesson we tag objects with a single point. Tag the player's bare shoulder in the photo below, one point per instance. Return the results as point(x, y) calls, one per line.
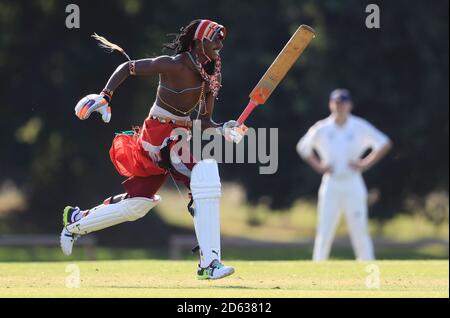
point(173, 64)
point(183, 63)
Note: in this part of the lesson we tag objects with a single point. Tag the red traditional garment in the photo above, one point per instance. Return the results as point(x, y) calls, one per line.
point(130, 157)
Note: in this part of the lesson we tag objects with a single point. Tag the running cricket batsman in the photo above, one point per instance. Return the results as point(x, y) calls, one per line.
point(340, 141)
point(189, 81)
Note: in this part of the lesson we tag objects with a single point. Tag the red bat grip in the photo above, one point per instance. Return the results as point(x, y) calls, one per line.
point(247, 111)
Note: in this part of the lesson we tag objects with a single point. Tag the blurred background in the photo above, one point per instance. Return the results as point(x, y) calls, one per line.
point(398, 75)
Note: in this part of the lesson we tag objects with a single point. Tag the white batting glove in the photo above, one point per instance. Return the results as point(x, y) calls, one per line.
point(93, 103)
point(233, 131)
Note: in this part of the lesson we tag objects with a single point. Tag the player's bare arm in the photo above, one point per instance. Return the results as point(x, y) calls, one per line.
point(143, 67)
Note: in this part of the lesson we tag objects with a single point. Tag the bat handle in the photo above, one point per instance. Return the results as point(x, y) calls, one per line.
point(247, 111)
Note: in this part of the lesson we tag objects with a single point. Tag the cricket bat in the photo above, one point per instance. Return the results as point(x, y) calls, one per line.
point(280, 66)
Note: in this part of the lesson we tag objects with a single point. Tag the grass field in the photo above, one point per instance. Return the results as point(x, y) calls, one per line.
point(157, 278)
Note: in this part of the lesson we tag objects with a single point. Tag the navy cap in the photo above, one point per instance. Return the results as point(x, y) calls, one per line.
point(341, 95)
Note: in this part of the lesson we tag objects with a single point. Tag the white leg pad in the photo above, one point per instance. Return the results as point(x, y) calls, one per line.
point(206, 192)
point(108, 215)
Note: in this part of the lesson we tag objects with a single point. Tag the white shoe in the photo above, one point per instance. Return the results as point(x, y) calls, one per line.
point(66, 240)
point(214, 271)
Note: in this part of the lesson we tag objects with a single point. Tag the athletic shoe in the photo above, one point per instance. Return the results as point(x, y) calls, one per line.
point(67, 214)
point(66, 238)
point(214, 271)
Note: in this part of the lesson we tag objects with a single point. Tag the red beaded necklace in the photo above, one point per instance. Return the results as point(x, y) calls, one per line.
point(212, 80)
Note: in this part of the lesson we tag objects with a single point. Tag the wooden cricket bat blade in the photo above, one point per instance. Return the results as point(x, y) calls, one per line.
point(279, 68)
point(282, 64)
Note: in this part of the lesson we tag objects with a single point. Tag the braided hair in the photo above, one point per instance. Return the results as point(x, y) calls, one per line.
point(184, 40)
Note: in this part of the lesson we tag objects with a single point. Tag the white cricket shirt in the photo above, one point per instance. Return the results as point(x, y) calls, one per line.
point(339, 145)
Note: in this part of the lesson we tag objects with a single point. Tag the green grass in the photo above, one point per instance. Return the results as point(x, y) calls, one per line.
point(156, 278)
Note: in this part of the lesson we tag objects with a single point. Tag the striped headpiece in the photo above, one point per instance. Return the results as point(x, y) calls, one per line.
point(208, 29)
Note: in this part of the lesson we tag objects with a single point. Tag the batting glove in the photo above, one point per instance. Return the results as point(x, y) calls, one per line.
point(94, 103)
point(233, 131)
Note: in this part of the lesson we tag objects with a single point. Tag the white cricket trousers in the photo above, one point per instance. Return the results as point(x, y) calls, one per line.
point(348, 195)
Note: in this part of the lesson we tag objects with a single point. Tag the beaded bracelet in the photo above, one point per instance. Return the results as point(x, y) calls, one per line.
point(132, 67)
point(107, 94)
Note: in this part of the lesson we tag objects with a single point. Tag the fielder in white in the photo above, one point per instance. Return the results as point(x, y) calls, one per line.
point(340, 141)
